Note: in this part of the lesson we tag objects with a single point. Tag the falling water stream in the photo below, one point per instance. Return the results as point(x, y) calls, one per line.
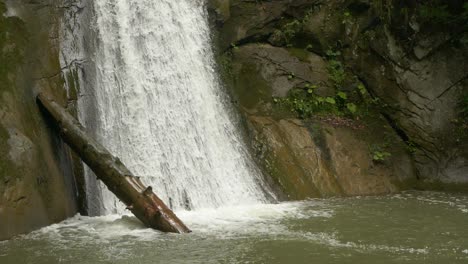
point(149, 93)
point(161, 109)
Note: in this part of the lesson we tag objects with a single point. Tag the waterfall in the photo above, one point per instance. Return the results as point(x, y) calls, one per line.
point(154, 100)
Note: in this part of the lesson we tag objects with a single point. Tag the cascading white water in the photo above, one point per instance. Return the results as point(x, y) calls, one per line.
point(160, 106)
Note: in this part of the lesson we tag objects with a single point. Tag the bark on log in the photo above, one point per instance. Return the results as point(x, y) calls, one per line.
point(140, 200)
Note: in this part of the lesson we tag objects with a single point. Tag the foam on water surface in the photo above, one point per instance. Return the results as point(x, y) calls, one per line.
point(414, 227)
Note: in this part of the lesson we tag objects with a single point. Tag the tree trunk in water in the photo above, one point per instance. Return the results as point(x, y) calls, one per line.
point(140, 200)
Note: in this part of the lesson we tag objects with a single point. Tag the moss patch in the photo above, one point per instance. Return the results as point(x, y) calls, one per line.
point(12, 43)
point(5, 164)
point(251, 89)
point(301, 54)
point(13, 38)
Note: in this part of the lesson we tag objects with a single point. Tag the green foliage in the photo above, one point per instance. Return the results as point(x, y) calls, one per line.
point(225, 61)
point(384, 9)
point(436, 12)
point(289, 31)
point(292, 28)
point(330, 100)
point(411, 146)
point(342, 95)
point(463, 104)
point(380, 155)
point(13, 40)
point(347, 18)
point(234, 46)
point(352, 108)
point(336, 68)
point(305, 103)
point(362, 89)
point(352, 101)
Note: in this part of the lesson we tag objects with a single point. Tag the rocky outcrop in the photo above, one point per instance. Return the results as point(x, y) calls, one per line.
point(36, 184)
point(412, 134)
point(419, 71)
point(316, 159)
point(275, 66)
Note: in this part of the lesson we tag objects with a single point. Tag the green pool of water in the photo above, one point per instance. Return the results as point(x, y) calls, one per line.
point(413, 227)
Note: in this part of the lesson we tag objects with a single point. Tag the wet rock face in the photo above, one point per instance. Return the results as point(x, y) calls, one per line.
point(422, 97)
point(315, 159)
point(35, 181)
point(251, 21)
point(275, 66)
point(420, 72)
point(416, 74)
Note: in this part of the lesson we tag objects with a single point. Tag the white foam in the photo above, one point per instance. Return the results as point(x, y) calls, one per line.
point(224, 222)
point(261, 219)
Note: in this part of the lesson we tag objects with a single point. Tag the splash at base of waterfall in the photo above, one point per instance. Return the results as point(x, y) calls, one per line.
point(388, 230)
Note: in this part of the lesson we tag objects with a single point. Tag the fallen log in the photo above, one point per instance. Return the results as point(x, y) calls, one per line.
point(140, 200)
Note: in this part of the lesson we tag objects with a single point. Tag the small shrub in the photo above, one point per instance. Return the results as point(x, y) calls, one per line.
point(379, 153)
point(305, 102)
point(411, 147)
point(288, 32)
point(380, 156)
point(336, 69)
point(351, 107)
point(347, 18)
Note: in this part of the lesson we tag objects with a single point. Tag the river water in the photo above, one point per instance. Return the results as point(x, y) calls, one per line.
point(413, 227)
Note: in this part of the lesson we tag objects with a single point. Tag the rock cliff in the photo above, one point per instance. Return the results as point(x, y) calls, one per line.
point(349, 97)
point(36, 183)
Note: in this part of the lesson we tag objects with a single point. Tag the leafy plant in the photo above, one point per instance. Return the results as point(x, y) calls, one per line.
point(380, 155)
point(234, 46)
point(411, 146)
point(342, 95)
point(351, 107)
point(347, 18)
point(336, 69)
point(305, 102)
point(362, 89)
point(289, 31)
